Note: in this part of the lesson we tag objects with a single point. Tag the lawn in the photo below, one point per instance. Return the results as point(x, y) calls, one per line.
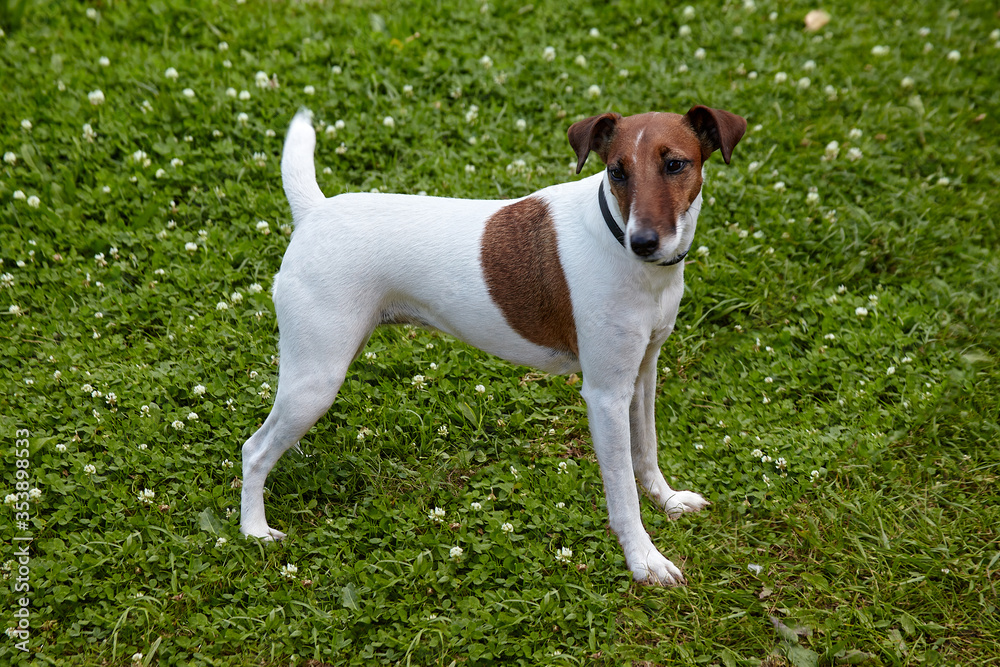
point(833, 384)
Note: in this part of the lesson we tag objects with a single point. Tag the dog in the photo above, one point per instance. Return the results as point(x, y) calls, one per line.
point(584, 276)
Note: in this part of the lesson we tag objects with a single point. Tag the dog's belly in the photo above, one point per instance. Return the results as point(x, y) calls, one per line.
point(491, 336)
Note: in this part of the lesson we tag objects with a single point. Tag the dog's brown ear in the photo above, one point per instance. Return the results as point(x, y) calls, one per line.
point(592, 134)
point(717, 129)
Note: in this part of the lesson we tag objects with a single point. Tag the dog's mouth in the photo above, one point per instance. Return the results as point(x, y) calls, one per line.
point(676, 259)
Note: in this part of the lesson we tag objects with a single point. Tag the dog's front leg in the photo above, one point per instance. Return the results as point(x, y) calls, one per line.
point(608, 390)
point(642, 420)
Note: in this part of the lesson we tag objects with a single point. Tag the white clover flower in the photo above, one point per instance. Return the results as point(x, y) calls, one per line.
point(861, 311)
point(91, 13)
point(521, 124)
point(60, 447)
point(855, 133)
point(891, 370)
point(263, 227)
point(227, 464)
point(10, 158)
point(812, 198)
point(832, 151)
point(486, 62)
point(146, 496)
point(507, 528)
point(177, 425)
point(171, 74)
point(176, 162)
point(436, 515)
point(803, 83)
point(199, 390)
point(89, 469)
point(34, 494)
point(244, 95)
point(309, 90)
point(455, 553)
point(26, 125)
point(594, 32)
point(289, 571)
point(88, 133)
point(336, 69)
point(19, 194)
point(580, 60)
point(880, 50)
point(262, 79)
point(854, 154)
point(143, 446)
point(954, 56)
point(242, 118)
point(96, 97)
point(562, 468)
point(389, 122)
point(699, 54)
point(190, 246)
point(594, 91)
point(188, 93)
point(221, 542)
point(684, 31)
point(476, 506)
point(564, 554)
point(34, 202)
point(418, 381)
point(222, 305)
point(809, 65)
point(549, 54)
point(780, 77)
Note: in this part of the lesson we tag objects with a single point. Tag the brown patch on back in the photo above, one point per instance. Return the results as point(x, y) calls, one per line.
point(520, 259)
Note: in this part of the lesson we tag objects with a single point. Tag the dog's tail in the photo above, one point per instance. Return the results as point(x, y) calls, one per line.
point(298, 167)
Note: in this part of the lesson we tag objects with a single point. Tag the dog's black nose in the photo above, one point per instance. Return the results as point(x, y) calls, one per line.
point(644, 242)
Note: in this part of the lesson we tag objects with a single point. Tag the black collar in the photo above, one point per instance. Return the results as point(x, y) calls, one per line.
point(609, 220)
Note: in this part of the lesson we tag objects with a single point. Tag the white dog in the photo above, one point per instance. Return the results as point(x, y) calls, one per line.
point(584, 276)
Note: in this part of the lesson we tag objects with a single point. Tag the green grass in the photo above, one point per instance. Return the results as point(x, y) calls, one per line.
point(887, 554)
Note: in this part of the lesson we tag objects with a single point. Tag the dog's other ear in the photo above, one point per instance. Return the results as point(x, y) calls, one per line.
point(717, 130)
point(592, 134)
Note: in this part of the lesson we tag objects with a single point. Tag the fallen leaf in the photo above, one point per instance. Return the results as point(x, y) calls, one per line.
point(816, 19)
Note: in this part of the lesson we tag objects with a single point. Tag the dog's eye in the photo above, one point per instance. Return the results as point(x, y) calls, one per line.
point(616, 173)
point(675, 166)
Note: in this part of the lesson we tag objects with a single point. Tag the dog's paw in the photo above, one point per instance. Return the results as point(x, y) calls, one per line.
point(655, 570)
point(678, 502)
point(267, 534)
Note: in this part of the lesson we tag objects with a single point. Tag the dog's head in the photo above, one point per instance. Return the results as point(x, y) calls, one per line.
point(654, 170)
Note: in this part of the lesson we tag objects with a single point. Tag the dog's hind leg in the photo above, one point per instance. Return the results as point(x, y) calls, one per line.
point(642, 427)
point(310, 376)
